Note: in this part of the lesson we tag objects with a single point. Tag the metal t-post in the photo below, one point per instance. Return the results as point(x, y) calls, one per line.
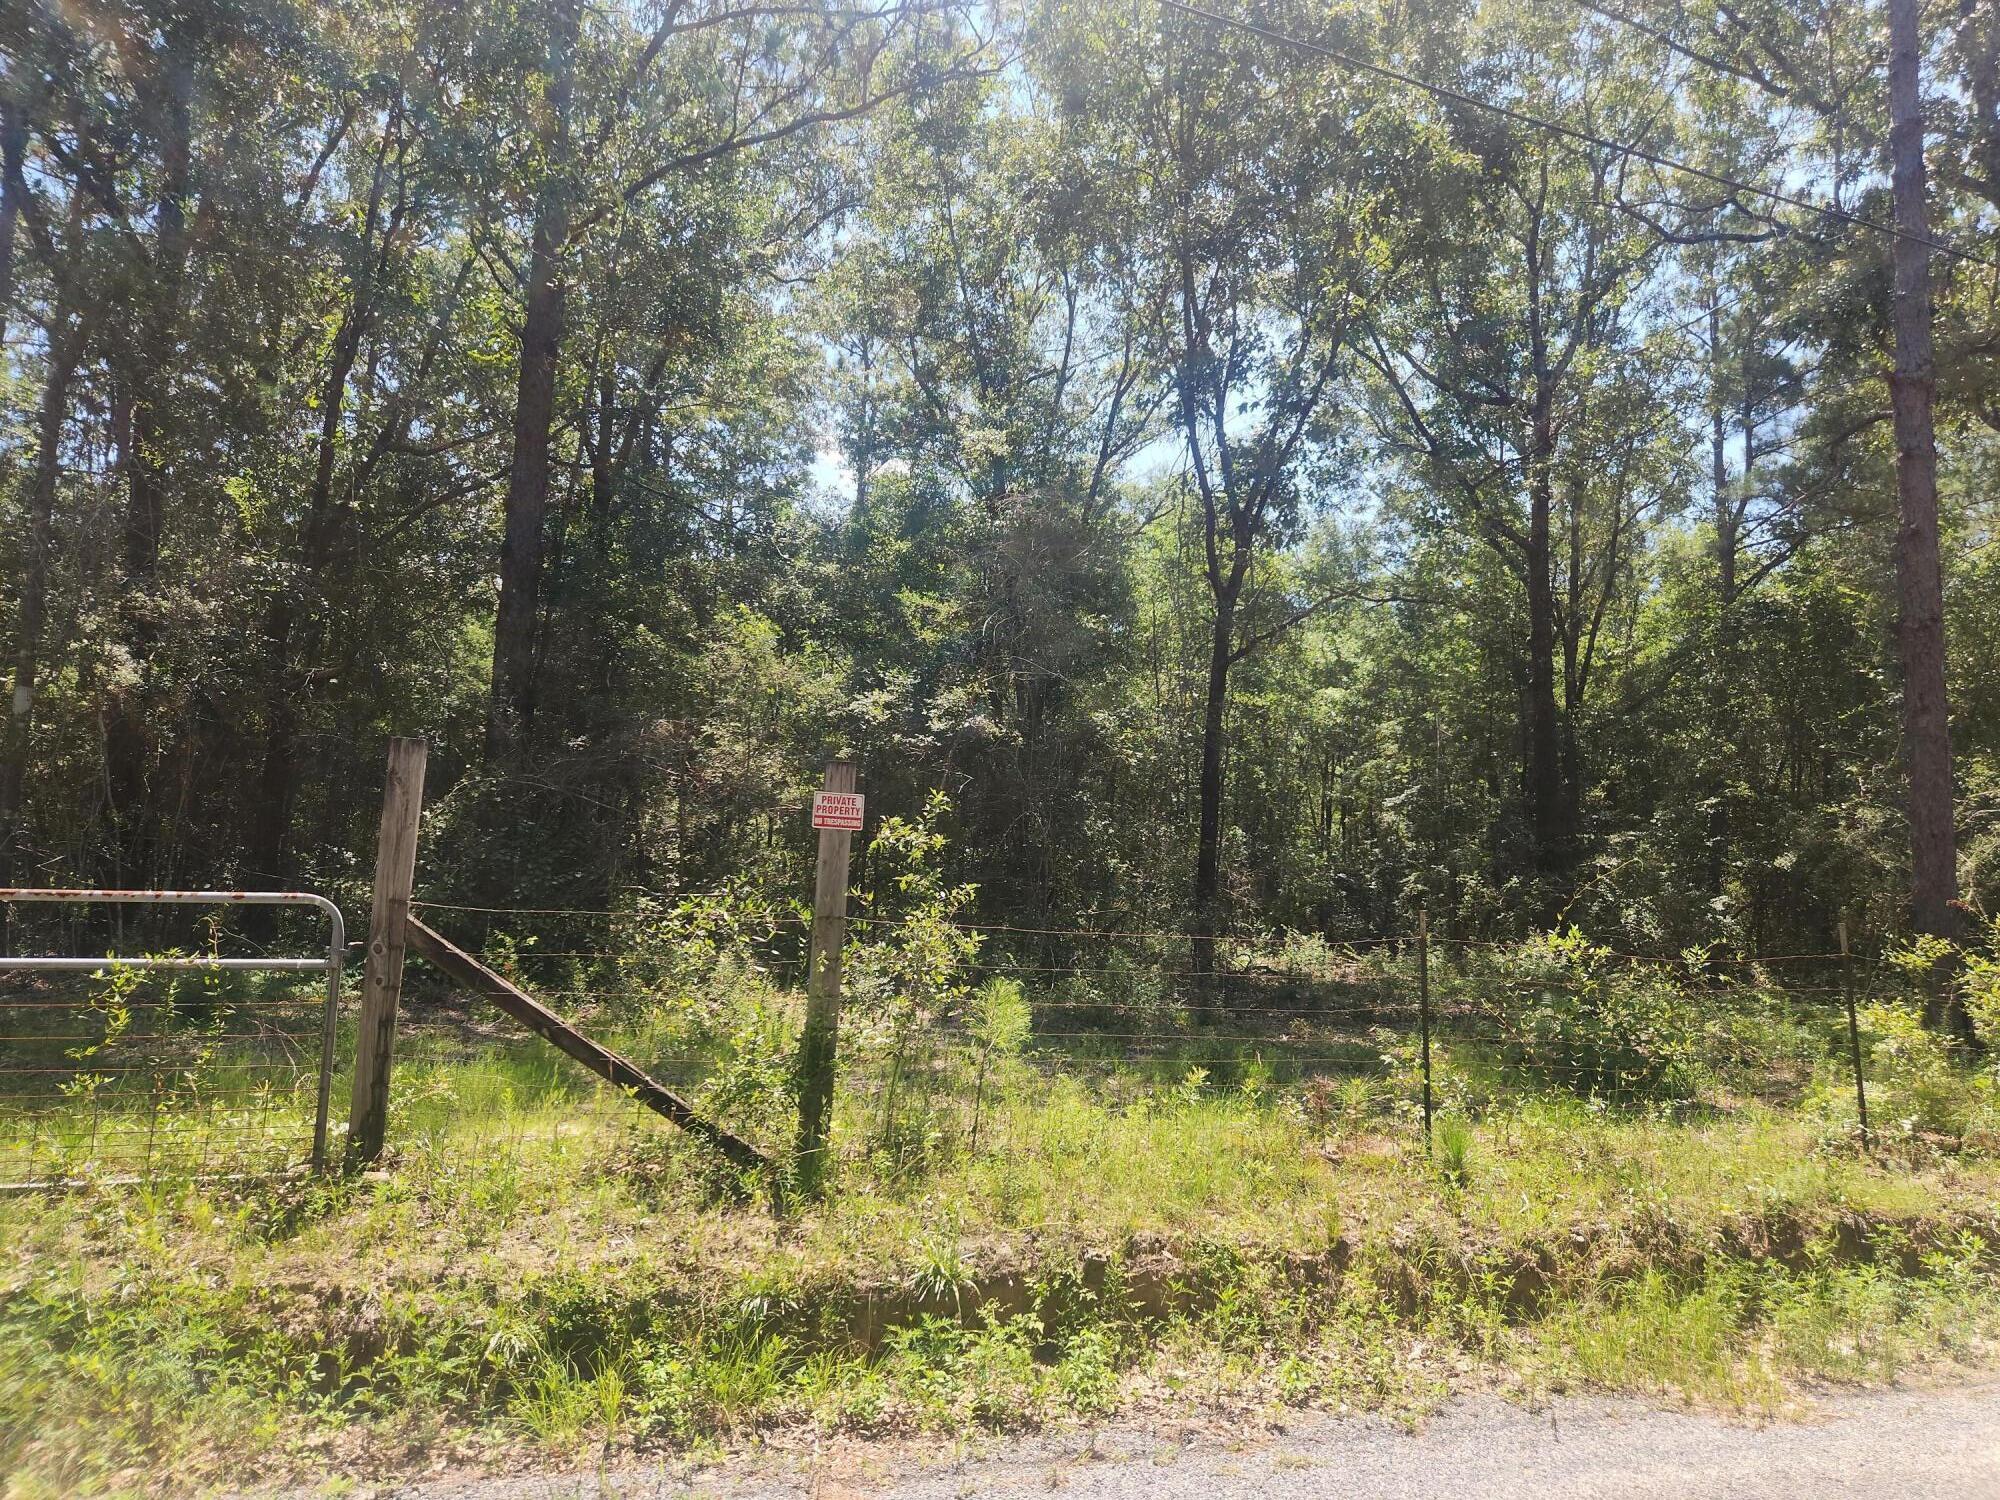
point(1424, 1009)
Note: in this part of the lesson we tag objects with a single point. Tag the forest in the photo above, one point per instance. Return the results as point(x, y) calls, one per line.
point(1230, 470)
point(1413, 589)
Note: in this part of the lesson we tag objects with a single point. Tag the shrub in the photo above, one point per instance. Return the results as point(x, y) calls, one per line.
point(1451, 1151)
point(1000, 1023)
point(1980, 979)
point(1915, 1087)
point(700, 948)
point(906, 962)
point(1599, 1026)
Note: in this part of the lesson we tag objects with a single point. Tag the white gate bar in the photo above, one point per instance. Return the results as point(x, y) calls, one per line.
point(336, 954)
point(114, 961)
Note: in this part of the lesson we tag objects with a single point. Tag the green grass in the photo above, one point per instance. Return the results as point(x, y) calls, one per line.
point(136, 1073)
point(545, 1264)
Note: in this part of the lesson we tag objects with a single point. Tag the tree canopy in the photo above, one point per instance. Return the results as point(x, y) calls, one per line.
point(1272, 466)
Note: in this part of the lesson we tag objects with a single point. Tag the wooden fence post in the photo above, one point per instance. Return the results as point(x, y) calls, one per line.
point(382, 974)
point(819, 1041)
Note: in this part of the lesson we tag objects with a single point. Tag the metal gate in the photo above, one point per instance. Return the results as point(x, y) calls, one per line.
point(123, 1066)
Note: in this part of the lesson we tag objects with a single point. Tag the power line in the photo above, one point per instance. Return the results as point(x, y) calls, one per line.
point(1685, 49)
point(1574, 133)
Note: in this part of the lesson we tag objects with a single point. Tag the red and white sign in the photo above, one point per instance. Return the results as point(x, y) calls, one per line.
point(837, 810)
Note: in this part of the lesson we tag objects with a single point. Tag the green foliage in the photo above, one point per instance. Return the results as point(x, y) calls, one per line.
point(923, 487)
point(908, 966)
point(1930, 1091)
point(704, 952)
point(1981, 988)
point(1576, 1014)
point(502, 1281)
point(1000, 1023)
point(1916, 1088)
point(1970, 971)
point(1451, 1151)
point(1000, 1017)
point(1519, 515)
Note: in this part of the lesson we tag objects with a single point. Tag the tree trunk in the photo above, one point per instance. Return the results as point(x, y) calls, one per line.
point(1725, 572)
point(32, 615)
point(145, 492)
point(277, 782)
point(1571, 639)
point(1208, 849)
point(1547, 818)
point(1919, 580)
point(1543, 772)
point(126, 746)
point(510, 703)
point(1981, 51)
point(13, 148)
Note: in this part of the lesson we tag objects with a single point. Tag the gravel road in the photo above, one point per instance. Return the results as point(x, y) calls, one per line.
point(1940, 1444)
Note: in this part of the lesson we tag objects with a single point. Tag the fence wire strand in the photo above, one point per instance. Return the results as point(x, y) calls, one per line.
point(1122, 1010)
point(99, 1081)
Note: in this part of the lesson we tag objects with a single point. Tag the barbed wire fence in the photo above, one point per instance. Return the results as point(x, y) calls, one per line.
point(196, 1069)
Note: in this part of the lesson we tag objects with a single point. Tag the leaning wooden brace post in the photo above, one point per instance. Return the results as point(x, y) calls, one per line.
point(382, 973)
point(463, 969)
point(837, 815)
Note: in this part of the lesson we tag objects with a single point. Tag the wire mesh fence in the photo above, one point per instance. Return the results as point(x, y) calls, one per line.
point(208, 1056)
point(705, 999)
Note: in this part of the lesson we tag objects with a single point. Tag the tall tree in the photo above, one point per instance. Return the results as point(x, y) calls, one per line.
point(1534, 317)
point(542, 328)
point(369, 257)
point(66, 331)
point(1810, 58)
point(1265, 203)
point(13, 151)
point(989, 349)
point(162, 65)
point(1919, 572)
point(702, 86)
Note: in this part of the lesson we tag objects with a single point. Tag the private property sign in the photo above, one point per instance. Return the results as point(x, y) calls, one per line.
point(840, 810)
